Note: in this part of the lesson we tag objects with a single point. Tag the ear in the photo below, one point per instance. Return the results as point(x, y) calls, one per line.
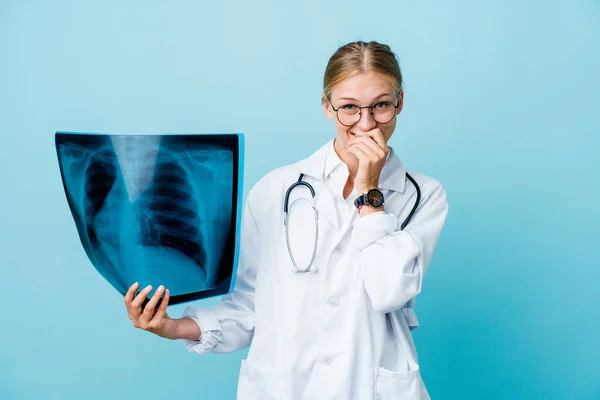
point(400, 101)
point(326, 106)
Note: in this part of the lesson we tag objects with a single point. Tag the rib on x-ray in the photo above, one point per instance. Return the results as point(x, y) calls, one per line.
point(157, 209)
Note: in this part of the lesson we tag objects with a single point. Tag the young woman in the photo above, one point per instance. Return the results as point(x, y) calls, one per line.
point(331, 321)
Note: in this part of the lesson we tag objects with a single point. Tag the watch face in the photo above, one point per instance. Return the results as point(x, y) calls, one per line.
point(375, 198)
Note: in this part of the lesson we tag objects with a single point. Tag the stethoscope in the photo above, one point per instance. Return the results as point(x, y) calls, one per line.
point(300, 182)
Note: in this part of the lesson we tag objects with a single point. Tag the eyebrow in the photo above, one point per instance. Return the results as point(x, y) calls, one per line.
point(376, 98)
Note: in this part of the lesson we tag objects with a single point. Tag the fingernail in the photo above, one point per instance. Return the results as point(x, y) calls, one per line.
point(160, 288)
point(148, 287)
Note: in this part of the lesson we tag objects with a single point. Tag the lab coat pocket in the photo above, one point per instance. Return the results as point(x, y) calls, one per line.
point(404, 385)
point(259, 383)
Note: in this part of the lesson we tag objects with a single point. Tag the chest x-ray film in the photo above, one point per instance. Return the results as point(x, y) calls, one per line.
point(157, 209)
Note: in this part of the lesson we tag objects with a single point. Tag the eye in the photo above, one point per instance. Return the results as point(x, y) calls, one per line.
point(349, 107)
point(382, 105)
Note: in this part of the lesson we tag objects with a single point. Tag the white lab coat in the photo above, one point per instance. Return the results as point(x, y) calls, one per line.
point(344, 331)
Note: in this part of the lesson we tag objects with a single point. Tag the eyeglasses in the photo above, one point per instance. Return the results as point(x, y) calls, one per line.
point(349, 114)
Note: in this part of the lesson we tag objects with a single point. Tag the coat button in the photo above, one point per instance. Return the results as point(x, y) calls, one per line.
point(338, 249)
point(334, 302)
point(327, 360)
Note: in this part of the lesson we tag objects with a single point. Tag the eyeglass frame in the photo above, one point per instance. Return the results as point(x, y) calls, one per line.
point(371, 111)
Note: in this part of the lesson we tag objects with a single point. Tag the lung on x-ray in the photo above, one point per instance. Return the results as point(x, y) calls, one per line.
point(157, 209)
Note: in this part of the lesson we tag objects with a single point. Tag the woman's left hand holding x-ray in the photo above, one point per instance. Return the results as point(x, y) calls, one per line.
point(155, 319)
point(147, 319)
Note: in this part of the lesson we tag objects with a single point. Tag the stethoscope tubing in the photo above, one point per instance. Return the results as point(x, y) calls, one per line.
point(300, 182)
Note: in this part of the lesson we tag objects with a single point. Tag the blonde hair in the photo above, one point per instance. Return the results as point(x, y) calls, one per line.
point(360, 56)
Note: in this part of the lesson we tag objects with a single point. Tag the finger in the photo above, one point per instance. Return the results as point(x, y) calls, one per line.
point(149, 308)
point(129, 297)
point(130, 293)
point(377, 135)
point(358, 153)
point(365, 149)
point(137, 302)
point(358, 139)
point(372, 146)
point(162, 308)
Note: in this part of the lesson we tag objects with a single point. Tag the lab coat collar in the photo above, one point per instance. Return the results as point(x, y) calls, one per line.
point(332, 160)
point(393, 175)
point(314, 164)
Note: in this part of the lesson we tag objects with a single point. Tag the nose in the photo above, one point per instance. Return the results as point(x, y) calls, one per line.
point(366, 121)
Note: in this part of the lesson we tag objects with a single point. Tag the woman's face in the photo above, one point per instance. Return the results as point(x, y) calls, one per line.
point(363, 89)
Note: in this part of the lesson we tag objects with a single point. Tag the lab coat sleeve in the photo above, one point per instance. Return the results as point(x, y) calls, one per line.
point(393, 261)
point(229, 325)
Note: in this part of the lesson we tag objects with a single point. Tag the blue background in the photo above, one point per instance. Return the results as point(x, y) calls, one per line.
point(501, 106)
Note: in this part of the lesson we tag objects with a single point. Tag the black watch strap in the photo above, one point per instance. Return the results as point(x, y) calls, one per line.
point(373, 198)
point(360, 200)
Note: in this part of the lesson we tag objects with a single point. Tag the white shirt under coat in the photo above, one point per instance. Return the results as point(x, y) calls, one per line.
point(344, 331)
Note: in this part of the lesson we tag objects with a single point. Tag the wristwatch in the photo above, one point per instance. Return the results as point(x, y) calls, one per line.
point(373, 198)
